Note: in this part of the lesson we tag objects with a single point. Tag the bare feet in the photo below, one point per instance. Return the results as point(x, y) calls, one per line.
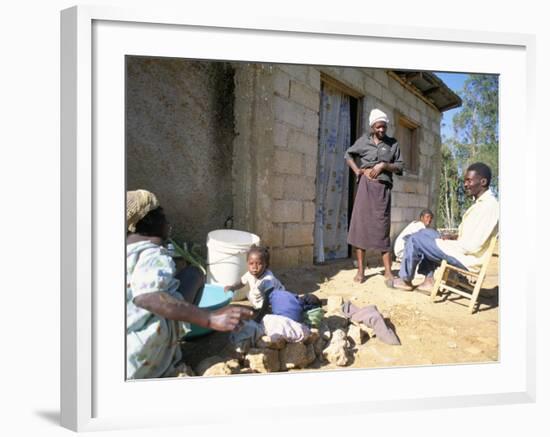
point(427, 285)
point(402, 285)
point(359, 278)
point(388, 280)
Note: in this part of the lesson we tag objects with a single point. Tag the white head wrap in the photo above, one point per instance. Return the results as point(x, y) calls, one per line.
point(377, 115)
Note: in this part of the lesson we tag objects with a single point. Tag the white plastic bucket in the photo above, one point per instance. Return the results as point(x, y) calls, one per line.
point(227, 257)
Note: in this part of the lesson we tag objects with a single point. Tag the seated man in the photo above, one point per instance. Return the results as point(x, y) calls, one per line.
point(423, 222)
point(426, 250)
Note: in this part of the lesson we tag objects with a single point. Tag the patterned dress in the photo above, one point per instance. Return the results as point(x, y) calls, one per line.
point(152, 342)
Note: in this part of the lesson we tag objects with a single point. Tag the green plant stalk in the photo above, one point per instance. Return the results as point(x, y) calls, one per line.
point(187, 256)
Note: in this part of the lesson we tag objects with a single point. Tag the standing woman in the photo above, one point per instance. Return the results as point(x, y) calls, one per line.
point(379, 157)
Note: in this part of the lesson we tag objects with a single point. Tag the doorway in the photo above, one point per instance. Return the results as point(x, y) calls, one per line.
point(339, 116)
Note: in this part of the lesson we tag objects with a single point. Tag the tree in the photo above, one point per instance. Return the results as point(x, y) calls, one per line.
point(448, 208)
point(475, 139)
point(476, 124)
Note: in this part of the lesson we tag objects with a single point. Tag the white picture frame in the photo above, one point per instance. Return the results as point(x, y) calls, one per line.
point(93, 397)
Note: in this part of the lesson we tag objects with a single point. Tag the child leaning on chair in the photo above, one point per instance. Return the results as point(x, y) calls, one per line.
point(267, 292)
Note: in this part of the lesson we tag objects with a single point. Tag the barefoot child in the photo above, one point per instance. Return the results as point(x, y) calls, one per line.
point(268, 293)
point(257, 260)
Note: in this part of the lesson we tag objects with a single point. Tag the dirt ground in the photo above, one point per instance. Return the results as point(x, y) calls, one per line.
point(440, 332)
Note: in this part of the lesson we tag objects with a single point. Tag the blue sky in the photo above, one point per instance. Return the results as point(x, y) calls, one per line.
point(455, 82)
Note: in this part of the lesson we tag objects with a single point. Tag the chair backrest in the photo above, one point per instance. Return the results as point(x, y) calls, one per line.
point(491, 248)
point(488, 253)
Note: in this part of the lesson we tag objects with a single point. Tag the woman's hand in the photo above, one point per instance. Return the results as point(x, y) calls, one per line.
point(376, 170)
point(228, 318)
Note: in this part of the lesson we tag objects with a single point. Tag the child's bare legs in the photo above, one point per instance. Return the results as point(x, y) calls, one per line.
point(360, 256)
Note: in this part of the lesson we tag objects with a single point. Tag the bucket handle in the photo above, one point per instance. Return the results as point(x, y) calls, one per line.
point(226, 258)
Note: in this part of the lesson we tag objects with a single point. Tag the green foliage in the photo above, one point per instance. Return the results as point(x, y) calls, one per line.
point(475, 139)
point(192, 256)
point(448, 208)
point(476, 125)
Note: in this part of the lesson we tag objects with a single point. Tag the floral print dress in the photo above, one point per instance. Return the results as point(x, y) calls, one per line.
point(152, 342)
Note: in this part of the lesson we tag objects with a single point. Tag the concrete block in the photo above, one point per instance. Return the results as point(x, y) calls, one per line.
point(285, 257)
point(397, 214)
point(298, 235)
point(299, 188)
point(422, 109)
point(277, 186)
point(409, 186)
point(304, 95)
point(281, 83)
point(411, 99)
point(289, 112)
point(306, 255)
point(426, 148)
point(314, 78)
point(426, 123)
point(281, 134)
point(422, 187)
point(299, 72)
point(310, 167)
point(275, 237)
point(372, 87)
point(354, 78)
point(396, 88)
point(389, 97)
point(381, 77)
point(410, 214)
point(423, 200)
point(309, 212)
point(304, 143)
point(311, 123)
point(414, 115)
point(401, 199)
point(287, 211)
point(285, 162)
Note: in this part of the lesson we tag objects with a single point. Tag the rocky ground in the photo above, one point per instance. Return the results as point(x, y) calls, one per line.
point(441, 332)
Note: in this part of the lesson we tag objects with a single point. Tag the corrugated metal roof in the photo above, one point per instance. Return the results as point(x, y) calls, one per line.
point(430, 87)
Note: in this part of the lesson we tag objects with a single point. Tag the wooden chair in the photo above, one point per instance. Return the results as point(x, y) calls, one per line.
point(468, 288)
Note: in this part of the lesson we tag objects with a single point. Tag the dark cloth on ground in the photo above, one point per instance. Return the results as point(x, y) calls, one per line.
point(421, 250)
point(310, 302)
point(286, 303)
point(372, 318)
point(371, 216)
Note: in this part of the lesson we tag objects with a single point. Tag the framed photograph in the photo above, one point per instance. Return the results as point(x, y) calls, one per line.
point(106, 57)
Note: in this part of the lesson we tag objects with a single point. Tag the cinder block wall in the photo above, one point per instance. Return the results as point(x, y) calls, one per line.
point(295, 103)
point(296, 98)
point(213, 139)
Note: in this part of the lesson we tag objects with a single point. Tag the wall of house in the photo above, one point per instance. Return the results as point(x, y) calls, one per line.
point(215, 139)
point(295, 103)
point(179, 139)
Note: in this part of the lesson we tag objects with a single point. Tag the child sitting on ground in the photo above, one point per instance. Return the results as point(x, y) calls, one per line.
point(267, 292)
point(257, 260)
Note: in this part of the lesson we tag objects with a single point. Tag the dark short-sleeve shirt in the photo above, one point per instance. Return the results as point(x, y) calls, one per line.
point(285, 303)
point(370, 154)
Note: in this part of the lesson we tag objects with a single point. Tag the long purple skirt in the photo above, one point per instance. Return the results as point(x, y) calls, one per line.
point(371, 216)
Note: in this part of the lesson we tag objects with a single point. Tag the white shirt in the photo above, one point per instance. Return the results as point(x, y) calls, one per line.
point(255, 296)
point(479, 224)
point(411, 228)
